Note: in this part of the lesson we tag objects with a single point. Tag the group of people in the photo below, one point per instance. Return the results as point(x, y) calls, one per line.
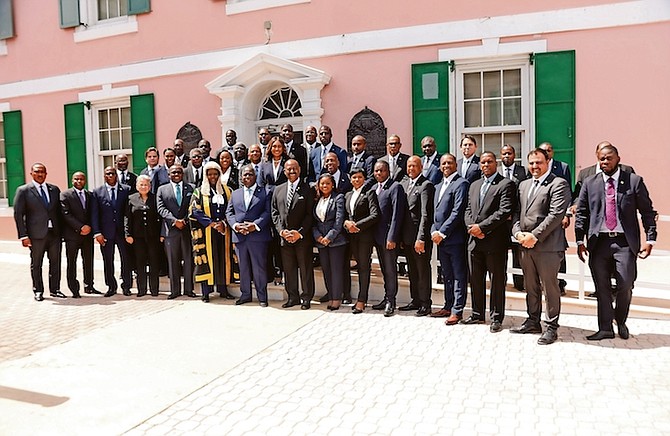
point(256, 214)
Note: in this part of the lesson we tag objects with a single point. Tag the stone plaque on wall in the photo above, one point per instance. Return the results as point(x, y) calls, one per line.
point(190, 134)
point(369, 124)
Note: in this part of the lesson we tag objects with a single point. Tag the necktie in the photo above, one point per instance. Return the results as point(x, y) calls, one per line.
point(82, 199)
point(536, 183)
point(466, 163)
point(178, 193)
point(508, 173)
point(610, 205)
point(392, 165)
point(289, 197)
point(256, 170)
point(247, 198)
point(45, 199)
point(113, 198)
point(379, 188)
point(484, 189)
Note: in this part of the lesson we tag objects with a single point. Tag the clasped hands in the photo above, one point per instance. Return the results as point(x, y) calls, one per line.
point(245, 228)
point(526, 239)
point(290, 236)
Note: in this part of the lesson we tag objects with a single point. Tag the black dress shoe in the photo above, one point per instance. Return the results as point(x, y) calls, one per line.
point(548, 337)
point(172, 296)
point(290, 303)
point(408, 307)
point(623, 331)
point(154, 294)
point(141, 294)
point(191, 295)
point(324, 299)
point(305, 305)
point(39, 296)
point(263, 304)
point(527, 327)
point(76, 294)
point(92, 291)
point(205, 298)
point(57, 294)
point(379, 306)
point(472, 319)
point(389, 310)
point(227, 296)
point(423, 311)
point(110, 292)
point(331, 308)
point(241, 301)
point(346, 301)
point(127, 292)
point(496, 327)
point(600, 335)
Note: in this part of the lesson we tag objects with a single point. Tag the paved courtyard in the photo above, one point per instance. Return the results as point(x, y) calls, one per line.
point(149, 366)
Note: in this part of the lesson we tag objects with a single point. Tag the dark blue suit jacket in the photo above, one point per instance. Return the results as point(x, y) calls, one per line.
point(562, 170)
point(367, 162)
point(631, 197)
point(160, 178)
point(391, 201)
point(474, 172)
point(32, 216)
point(258, 213)
point(432, 171)
point(450, 211)
point(333, 226)
point(317, 162)
point(107, 219)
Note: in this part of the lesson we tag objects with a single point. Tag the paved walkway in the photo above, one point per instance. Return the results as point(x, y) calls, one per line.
point(124, 365)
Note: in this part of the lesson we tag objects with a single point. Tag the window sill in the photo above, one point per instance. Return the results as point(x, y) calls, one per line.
point(3, 48)
point(242, 6)
point(106, 30)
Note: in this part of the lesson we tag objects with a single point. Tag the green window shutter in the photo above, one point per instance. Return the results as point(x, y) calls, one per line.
point(69, 13)
point(6, 19)
point(430, 104)
point(555, 103)
point(75, 139)
point(142, 127)
point(138, 6)
point(13, 127)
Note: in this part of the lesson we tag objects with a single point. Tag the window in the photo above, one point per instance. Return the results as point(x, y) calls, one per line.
point(282, 103)
point(95, 19)
point(113, 135)
point(240, 6)
point(493, 105)
point(108, 9)
point(3, 165)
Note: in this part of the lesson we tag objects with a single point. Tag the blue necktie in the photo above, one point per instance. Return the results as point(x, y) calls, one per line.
point(44, 196)
point(178, 194)
point(113, 198)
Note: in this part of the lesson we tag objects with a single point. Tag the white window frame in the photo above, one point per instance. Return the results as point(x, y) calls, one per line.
point(4, 202)
point(107, 98)
point(3, 47)
point(241, 6)
point(472, 66)
point(95, 29)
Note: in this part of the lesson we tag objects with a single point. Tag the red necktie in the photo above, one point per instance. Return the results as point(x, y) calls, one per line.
point(610, 205)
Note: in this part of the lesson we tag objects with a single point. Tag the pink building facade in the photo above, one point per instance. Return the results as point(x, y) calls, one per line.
point(82, 80)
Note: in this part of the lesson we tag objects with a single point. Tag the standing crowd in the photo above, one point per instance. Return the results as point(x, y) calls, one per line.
point(255, 216)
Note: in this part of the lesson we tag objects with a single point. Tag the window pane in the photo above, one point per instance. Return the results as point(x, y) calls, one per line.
point(511, 83)
point(113, 8)
point(108, 161)
point(102, 119)
point(491, 84)
point(125, 117)
point(491, 113)
point(123, 7)
point(104, 141)
point(114, 118)
point(492, 142)
point(115, 140)
point(125, 138)
point(473, 117)
point(513, 139)
point(472, 86)
point(102, 10)
point(512, 111)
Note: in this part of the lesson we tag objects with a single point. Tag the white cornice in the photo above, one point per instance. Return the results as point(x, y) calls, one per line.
point(535, 23)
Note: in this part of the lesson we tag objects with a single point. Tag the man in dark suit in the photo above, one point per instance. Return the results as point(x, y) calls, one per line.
point(318, 155)
point(256, 161)
point(388, 232)
point(248, 214)
point(396, 160)
point(332, 167)
point(78, 234)
point(264, 137)
point(310, 144)
point(294, 151)
point(431, 160)
point(172, 201)
point(193, 172)
point(490, 205)
point(156, 172)
point(206, 148)
point(107, 212)
point(362, 158)
point(516, 173)
point(468, 165)
point(543, 200)
point(181, 158)
point(448, 233)
point(607, 216)
point(292, 205)
point(37, 217)
point(231, 140)
point(418, 247)
point(240, 156)
point(125, 176)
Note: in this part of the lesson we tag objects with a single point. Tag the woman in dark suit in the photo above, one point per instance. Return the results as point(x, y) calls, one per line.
point(362, 213)
point(328, 231)
point(229, 174)
point(142, 231)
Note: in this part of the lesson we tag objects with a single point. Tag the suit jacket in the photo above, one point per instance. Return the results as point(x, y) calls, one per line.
point(631, 197)
point(562, 170)
point(258, 213)
point(297, 215)
point(183, 161)
point(299, 153)
point(400, 169)
point(367, 162)
point(159, 178)
point(130, 180)
point(518, 175)
point(474, 172)
point(32, 216)
point(492, 215)
point(75, 216)
point(419, 210)
point(432, 171)
point(542, 214)
point(107, 218)
point(587, 172)
point(142, 219)
point(233, 179)
point(365, 213)
point(450, 211)
point(268, 175)
point(333, 226)
point(391, 212)
point(190, 178)
point(170, 211)
point(317, 161)
point(343, 184)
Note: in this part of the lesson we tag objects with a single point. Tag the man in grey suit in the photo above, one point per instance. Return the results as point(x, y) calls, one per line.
point(37, 218)
point(468, 165)
point(543, 200)
point(607, 216)
point(172, 202)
